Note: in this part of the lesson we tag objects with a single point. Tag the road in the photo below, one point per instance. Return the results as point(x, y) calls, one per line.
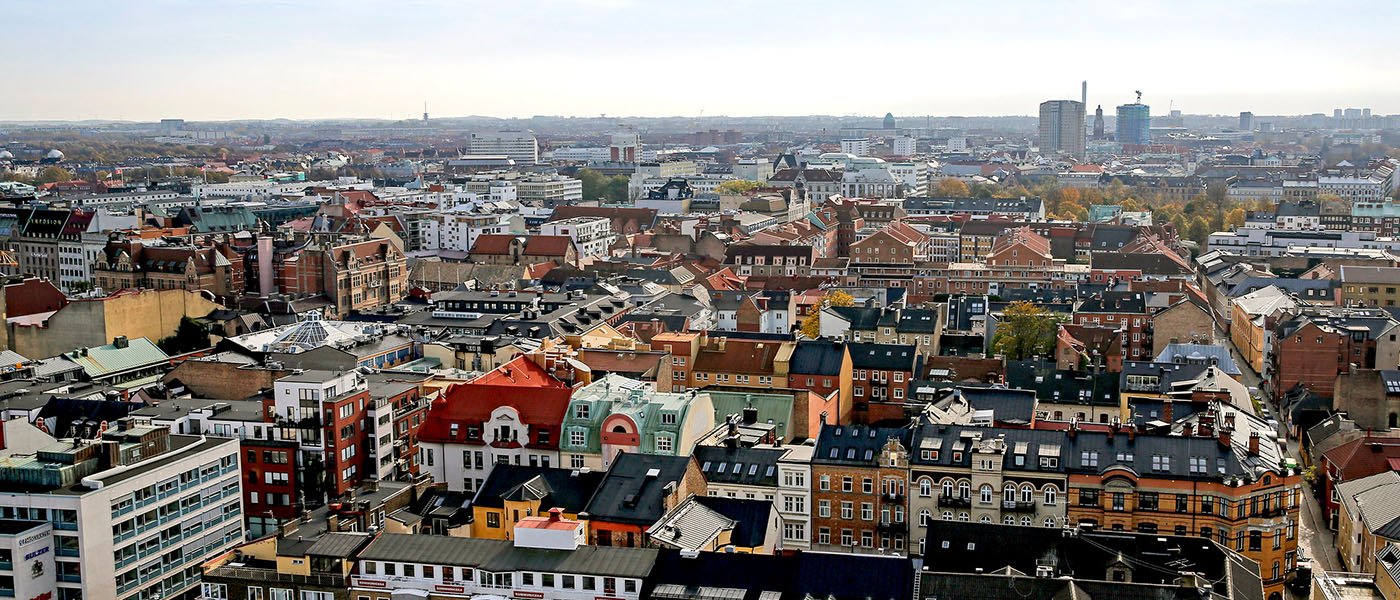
point(1316, 540)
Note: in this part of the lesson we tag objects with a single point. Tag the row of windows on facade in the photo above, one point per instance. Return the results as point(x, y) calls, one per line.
point(528, 579)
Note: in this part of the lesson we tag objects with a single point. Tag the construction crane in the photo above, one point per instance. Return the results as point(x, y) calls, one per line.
point(1139, 96)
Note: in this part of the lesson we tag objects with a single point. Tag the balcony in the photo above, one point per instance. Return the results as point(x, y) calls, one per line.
point(323, 580)
point(1018, 505)
point(954, 502)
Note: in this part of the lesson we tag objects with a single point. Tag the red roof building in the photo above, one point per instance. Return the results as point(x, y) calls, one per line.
point(511, 414)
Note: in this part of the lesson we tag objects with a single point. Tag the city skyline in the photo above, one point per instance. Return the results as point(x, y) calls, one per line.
point(266, 59)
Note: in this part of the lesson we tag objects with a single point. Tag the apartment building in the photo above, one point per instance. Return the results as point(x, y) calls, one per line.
point(519, 146)
point(130, 514)
point(861, 475)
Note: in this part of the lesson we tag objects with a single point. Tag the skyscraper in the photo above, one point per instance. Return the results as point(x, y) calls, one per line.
point(1246, 121)
point(518, 145)
point(1098, 123)
point(1134, 124)
point(889, 121)
point(1062, 127)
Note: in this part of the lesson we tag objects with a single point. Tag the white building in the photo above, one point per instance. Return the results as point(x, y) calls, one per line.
point(545, 560)
point(856, 146)
point(1359, 187)
point(904, 146)
point(794, 502)
point(520, 146)
point(133, 514)
point(592, 235)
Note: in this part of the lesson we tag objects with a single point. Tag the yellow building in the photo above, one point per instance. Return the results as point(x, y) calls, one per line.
point(1250, 316)
point(516, 492)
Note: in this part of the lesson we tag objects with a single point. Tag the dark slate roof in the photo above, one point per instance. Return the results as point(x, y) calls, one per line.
point(1148, 263)
point(883, 357)
point(918, 321)
point(1167, 374)
point(338, 544)
point(1063, 387)
point(739, 466)
point(964, 548)
point(951, 446)
point(502, 555)
point(554, 488)
point(752, 517)
point(799, 576)
point(861, 318)
point(1006, 405)
point(854, 444)
point(628, 495)
point(1114, 302)
point(817, 357)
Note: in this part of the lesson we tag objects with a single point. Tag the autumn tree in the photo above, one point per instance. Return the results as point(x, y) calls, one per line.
point(1025, 331)
point(738, 186)
point(811, 326)
point(53, 175)
point(952, 188)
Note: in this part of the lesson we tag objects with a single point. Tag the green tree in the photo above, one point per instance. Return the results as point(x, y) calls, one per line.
point(189, 336)
point(1025, 331)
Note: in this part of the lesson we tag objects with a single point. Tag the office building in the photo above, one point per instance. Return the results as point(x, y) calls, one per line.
point(1246, 121)
point(1062, 127)
point(1134, 124)
point(132, 513)
point(519, 146)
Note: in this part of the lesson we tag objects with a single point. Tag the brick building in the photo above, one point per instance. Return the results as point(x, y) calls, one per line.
point(861, 483)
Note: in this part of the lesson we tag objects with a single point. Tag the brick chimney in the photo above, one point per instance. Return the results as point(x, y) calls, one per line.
point(1229, 419)
point(1187, 430)
point(1167, 410)
point(1254, 443)
point(1224, 436)
point(556, 514)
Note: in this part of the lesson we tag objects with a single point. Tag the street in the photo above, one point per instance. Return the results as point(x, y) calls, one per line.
point(1315, 539)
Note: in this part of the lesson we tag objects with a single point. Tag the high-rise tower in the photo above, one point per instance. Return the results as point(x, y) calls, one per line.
point(1062, 127)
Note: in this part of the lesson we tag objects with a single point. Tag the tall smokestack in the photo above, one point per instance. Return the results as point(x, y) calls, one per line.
point(1084, 93)
point(265, 276)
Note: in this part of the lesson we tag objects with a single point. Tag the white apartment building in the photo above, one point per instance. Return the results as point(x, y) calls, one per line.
point(541, 190)
point(133, 514)
point(520, 146)
point(794, 503)
point(1363, 187)
point(856, 146)
point(1254, 241)
point(904, 145)
point(914, 175)
point(457, 230)
point(548, 558)
point(592, 236)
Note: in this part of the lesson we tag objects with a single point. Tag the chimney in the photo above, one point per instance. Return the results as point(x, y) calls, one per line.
point(1167, 410)
point(1254, 443)
point(1224, 436)
point(750, 415)
point(1229, 420)
point(1186, 429)
point(555, 515)
point(119, 342)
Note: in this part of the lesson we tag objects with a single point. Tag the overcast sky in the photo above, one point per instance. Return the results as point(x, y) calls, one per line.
point(234, 59)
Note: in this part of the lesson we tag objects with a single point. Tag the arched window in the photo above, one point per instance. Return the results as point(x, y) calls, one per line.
point(1027, 493)
point(1049, 496)
point(962, 516)
point(947, 515)
point(925, 487)
point(924, 516)
point(986, 519)
point(1009, 519)
point(1008, 492)
point(1026, 521)
point(986, 493)
point(963, 489)
point(947, 488)
point(1049, 521)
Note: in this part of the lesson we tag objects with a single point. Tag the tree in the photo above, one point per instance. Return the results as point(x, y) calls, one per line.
point(953, 188)
point(1025, 331)
point(189, 336)
point(811, 326)
point(738, 186)
point(53, 174)
point(1235, 217)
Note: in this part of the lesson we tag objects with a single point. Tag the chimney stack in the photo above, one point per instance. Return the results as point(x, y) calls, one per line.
point(1224, 436)
point(1167, 410)
point(1254, 443)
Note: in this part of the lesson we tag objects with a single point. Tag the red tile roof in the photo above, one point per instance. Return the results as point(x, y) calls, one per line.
point(539, 398)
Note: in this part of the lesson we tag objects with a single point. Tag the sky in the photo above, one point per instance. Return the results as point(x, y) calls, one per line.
point(260, 59)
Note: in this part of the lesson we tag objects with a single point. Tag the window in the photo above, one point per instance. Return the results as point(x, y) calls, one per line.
point(824, 508)
point(577, 438)
point(1050, 497)
point(279, 594)
point(493, 519)
point(985, 494)
point(313, 595)
point(1089, 458)
point(1147, 500)
point(867, 511)
point(848, 511)
point(215, 591)
point(848, 537)
point(823, 536)
point(925, 488)
point(847, 484)
point(867, 486)
point(664, 444)
point(824, 483)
